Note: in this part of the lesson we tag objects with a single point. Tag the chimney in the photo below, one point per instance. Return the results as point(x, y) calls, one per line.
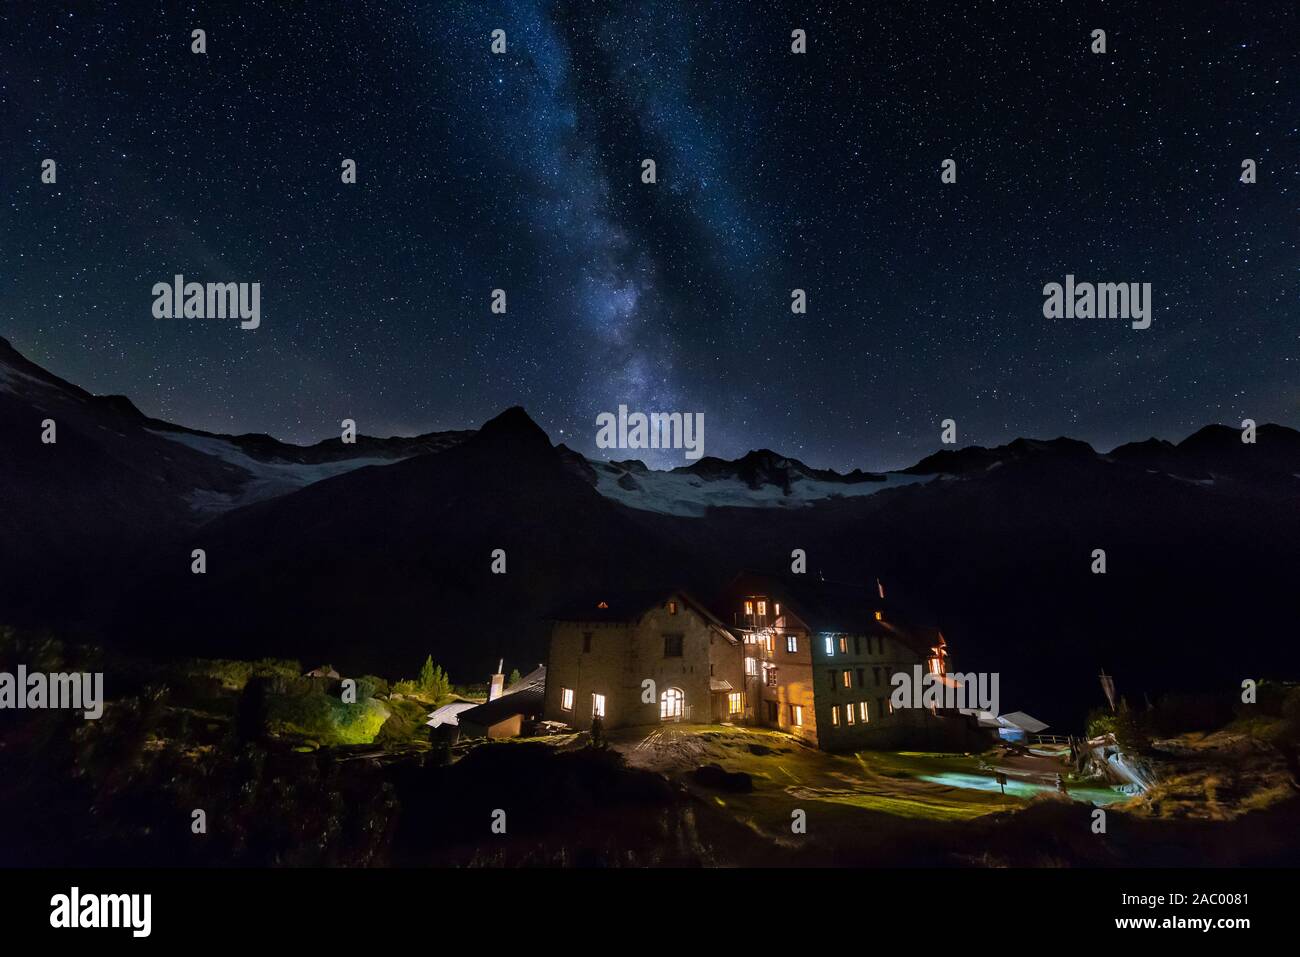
point(498, 681)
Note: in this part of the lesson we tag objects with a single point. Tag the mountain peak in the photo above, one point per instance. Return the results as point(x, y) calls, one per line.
point(515, 425)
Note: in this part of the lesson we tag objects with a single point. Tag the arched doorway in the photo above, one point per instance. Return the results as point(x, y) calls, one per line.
point(671, 704)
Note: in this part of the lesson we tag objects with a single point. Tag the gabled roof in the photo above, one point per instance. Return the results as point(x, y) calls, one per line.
point(631, 606)
point(829, 607)
point(822, 605)
point(533, 680)
point(524, 697)
point(528, 703)
point(449, 713)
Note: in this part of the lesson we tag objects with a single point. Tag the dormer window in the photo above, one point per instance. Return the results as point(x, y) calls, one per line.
point(602, 604)
point(672, 608)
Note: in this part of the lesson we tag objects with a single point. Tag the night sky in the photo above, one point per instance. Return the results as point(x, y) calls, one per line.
point(775, 171)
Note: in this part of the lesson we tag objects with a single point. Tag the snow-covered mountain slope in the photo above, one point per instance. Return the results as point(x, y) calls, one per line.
point(682, 492)
point(267, 478)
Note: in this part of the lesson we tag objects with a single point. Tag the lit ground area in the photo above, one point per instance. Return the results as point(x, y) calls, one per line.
point(787, 774)
point(918, 809)
point(906, 784)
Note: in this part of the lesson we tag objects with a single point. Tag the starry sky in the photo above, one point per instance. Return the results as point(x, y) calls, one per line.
point(775, 171)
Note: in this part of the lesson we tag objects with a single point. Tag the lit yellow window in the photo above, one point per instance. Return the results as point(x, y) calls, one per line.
point(796, 715)
point(835, 716)
point(598, 706)
point(848, 714)
point(880, 616)
point(734, 704)
point(844, 645)
point(863, 716)
point(566, 699)
point(672, 608)
point(776, 609)
point(762, 608)
point(749, 608)
point(848, 679)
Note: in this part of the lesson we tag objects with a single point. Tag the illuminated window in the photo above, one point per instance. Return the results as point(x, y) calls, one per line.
point(796, 715)
point(847, 678)
point(602, 604)
point(734, 703)
point(768, 642)
point(670, 704)
point(776, 609)
point(935, 664)
point(830, 646)
point(598, 706)
point(835, 716)
point(770, 677)
point(848, 714)
point(844, 645)
point(762, 608)
point(751, 667)
point(749, 608)
point(862, 712)
point(672, 608)
point(792, 644)
point(880, 616)
point(566, 699)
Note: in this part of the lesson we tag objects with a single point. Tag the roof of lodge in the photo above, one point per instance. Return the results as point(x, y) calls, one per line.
point(824, 606)
point(833, 607)
point(528, 703)
point(533, 680)
point(524, 697)
point(630, 606)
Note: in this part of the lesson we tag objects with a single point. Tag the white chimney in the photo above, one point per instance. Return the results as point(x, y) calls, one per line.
point(498, 681)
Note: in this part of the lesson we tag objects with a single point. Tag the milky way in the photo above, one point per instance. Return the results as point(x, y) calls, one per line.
point(776, 171)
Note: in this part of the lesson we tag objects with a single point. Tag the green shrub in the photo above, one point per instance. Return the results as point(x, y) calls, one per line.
point(378, 685)
point(1100, 721)
point(406, 723)
point(326, 718)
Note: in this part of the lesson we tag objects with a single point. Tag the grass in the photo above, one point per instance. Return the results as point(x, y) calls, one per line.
point(788, 775)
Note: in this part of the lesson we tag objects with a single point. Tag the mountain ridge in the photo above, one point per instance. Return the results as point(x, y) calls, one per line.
point(373, 562)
